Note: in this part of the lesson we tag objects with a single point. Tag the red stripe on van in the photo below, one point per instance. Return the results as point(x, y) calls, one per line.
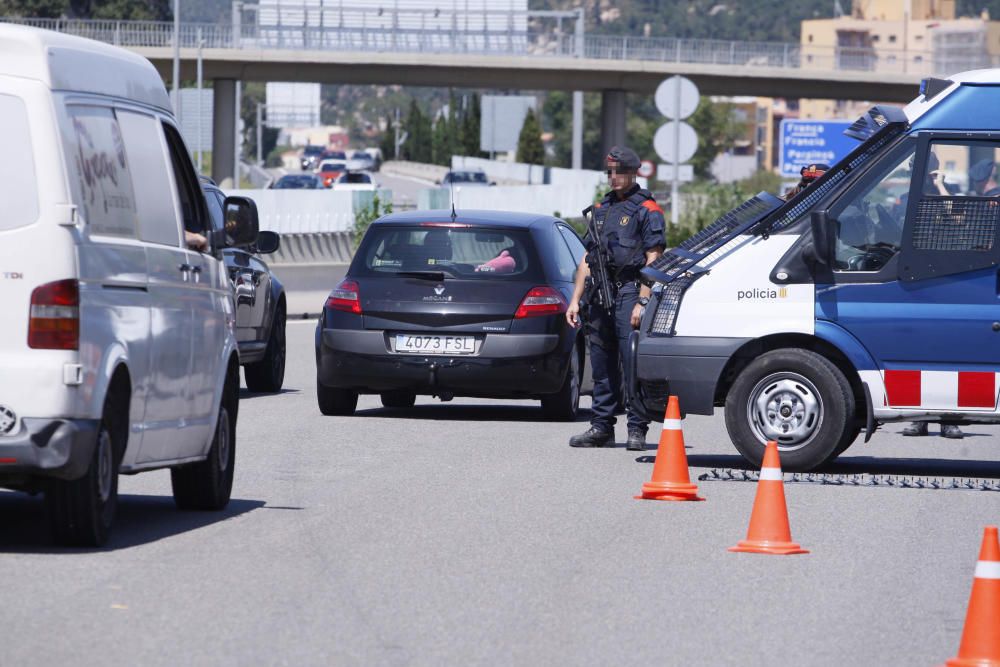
point(903, 387)
point(976, 389)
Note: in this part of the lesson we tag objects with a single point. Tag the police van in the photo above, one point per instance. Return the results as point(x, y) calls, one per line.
point(117, 346)
point(872, 296)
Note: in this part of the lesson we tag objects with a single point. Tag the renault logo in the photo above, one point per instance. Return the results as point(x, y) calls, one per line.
point(7, 420)
point(439, 290)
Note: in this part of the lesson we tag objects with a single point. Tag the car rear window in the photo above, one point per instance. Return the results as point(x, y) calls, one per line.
point(17, 168)
point(458, 252)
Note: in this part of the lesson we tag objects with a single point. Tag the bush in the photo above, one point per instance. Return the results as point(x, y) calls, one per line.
point(705, 203)
point(369, 214)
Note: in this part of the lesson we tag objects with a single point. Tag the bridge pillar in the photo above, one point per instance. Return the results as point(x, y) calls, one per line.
point(224, 130)
point(612, 119)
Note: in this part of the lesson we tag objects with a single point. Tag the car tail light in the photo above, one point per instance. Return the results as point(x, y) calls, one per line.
point(541, 301)
point(54, 321)
point(346, 297)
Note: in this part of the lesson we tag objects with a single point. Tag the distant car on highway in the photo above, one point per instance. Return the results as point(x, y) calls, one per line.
point(362, 161)
point(329, 170)
point(297, 182)
point(466, 177)
point(310, 157)
point(355, 180)
point(473, 306)
point(260, 301)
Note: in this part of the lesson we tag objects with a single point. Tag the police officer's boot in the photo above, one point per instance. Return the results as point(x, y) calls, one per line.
point(916, 429)
point(593, 437)
point(636, 440)
point(951, 431)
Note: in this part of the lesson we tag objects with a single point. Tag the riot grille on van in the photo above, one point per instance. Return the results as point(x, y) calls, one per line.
point(670, 303)
point(956, 223)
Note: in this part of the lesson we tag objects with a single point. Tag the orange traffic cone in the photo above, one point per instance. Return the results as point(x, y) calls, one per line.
point(769, 532)
point(980, 645)
point(670, 479)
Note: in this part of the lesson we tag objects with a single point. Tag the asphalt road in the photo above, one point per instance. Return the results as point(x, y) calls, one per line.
point(469, 533)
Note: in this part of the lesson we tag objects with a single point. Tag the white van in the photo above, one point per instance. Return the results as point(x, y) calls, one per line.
point(117, 349)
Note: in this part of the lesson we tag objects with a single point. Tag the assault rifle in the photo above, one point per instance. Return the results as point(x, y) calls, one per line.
point(600, 280)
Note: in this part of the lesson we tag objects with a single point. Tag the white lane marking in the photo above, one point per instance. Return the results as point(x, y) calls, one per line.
point(988, 569)
point(311, 320)
point(771, 474)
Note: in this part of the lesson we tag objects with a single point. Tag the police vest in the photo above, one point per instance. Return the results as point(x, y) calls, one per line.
point(622, 236)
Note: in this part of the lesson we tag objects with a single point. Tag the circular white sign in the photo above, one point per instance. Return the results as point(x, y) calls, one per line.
point(646, 169)
point(677, 97)
point(675, 145)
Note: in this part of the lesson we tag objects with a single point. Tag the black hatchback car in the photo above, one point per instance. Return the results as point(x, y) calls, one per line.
point(470, 306)
point(259, 298)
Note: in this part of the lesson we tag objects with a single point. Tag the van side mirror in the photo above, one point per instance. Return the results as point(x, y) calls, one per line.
point(268, 242)
point(824, 236)
point(241, 223)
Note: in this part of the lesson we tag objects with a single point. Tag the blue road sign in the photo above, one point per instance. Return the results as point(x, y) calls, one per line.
point(806, 142)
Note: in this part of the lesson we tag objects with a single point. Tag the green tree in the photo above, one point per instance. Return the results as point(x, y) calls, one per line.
point(718, 129)
point(529, 143)
point(557, 118)
point(418, 142)
point(133, 10)
point(387, 143)
point(441, 141)
point(42, 9)
point(470, 135)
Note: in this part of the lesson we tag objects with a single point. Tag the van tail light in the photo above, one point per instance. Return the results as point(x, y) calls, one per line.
point(54, 321)
point(541, 301)
point(346, 297)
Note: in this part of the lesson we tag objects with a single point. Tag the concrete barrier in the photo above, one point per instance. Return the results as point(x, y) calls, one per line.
point(302, 211)
point(318, 248)
point(564, 200)
point(418, 171)
point(533, 174)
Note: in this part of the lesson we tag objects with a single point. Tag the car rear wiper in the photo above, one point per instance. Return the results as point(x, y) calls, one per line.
point(426, 275)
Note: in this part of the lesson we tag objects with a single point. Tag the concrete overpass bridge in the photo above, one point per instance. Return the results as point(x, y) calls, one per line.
point(386, 48)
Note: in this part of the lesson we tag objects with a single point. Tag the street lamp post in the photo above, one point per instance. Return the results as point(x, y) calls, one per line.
point(260, 135)
point(176, 74)
point(199, 145)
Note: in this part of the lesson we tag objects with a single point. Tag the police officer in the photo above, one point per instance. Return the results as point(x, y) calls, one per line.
point(629, 227)
point(809, 174)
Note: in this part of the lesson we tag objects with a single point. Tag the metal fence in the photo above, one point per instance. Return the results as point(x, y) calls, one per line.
point(532, 40)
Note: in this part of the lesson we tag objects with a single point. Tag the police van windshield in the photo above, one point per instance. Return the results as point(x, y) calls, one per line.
point(457, 252)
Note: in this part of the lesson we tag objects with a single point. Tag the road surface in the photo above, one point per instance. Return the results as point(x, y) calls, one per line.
point(469, 533)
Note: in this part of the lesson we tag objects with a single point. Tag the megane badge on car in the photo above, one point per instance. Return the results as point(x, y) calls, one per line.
point(439, 290)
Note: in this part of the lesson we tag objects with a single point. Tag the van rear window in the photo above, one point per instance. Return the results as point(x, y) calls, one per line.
point(18, 190)
point(458, 252)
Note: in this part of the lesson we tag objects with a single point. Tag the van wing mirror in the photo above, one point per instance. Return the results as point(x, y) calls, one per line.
point(268, 242)
point(824, 236)
point(241, 223)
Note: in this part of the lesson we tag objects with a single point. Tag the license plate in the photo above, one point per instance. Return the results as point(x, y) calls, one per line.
point(422, 344)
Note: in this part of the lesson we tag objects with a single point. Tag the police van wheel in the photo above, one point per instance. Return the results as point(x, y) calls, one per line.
point(564, 405)
point(795, 397)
